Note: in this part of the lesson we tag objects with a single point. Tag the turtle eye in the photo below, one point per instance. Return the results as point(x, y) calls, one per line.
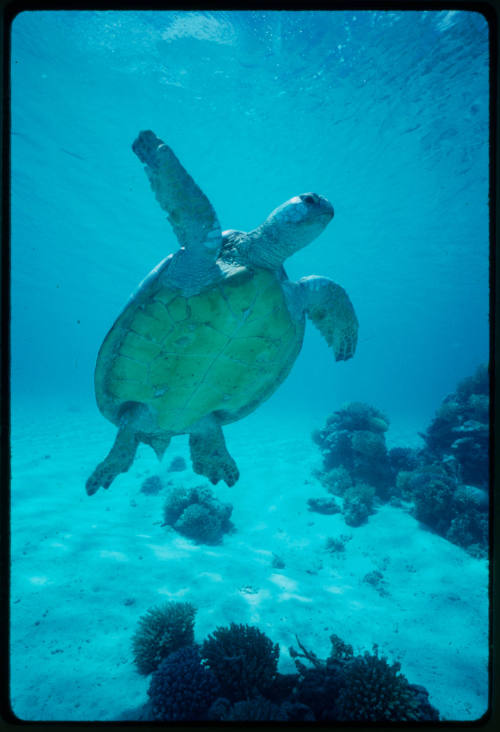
point(309, 198)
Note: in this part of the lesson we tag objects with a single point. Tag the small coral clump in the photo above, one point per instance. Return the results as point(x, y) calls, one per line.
point(358, 503)
point(161, 631)
point(182, 688)
point(334, 545)
point(152, 485)
point(177, 465)
point(323, 505)
point(243, 658)
point(197, 514)
point(352, 443)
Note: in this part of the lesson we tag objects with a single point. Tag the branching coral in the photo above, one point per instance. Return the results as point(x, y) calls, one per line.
point(182, 688)
point(359, 688)
point(161, 631)
point(375, 691)
point(243, 659)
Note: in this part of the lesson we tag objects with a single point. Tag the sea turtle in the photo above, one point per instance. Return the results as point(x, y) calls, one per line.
point(215, 328)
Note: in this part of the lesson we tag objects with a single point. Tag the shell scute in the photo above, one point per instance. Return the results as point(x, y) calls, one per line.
point(127, 390)
point(156, 310)
point(247, 350)
point(128, 369)
point(135, 346)
point(179, 309)
point(150, 328)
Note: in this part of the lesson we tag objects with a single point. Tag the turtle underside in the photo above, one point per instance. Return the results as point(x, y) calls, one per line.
point(222, 351)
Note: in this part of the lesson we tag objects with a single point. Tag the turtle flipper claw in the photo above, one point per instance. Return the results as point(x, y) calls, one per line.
point(99, 478)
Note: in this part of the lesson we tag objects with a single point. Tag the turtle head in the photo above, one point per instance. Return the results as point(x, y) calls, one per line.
point(304, 216)
point(290, 227)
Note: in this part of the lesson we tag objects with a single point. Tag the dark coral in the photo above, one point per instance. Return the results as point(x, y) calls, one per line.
point(353, 439)
point(403, 458)
point(449, 484)
point(376, 691)
point(456, 511)
point(198, 514)
point(182, 688)
point(318, 686)
point(358, 688)
point(317, 689)
point(433, 491)
point(460, 429)
point(243, 659)
point(162, 630)
point(255, 710)
point(281, 688)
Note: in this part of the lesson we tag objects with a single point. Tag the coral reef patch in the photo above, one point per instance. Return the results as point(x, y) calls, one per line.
point(233, 676)
point(444, 484)
point(459, 432)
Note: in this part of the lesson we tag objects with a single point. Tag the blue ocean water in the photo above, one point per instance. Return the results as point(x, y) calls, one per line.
point(384, 113)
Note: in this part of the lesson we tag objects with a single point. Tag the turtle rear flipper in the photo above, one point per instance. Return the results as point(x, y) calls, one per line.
point(330, 309)
point(209, 454)
point(133, 416)
point(119, 460)
point(190, 213)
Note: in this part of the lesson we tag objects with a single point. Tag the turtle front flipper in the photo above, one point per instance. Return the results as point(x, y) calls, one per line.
point(209, 454)
point(331, 311)
point(190, 213)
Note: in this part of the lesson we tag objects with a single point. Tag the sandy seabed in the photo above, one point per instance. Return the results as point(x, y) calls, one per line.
point(84, 569)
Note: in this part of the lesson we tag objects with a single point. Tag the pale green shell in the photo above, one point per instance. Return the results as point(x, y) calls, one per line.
point(224, 350)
